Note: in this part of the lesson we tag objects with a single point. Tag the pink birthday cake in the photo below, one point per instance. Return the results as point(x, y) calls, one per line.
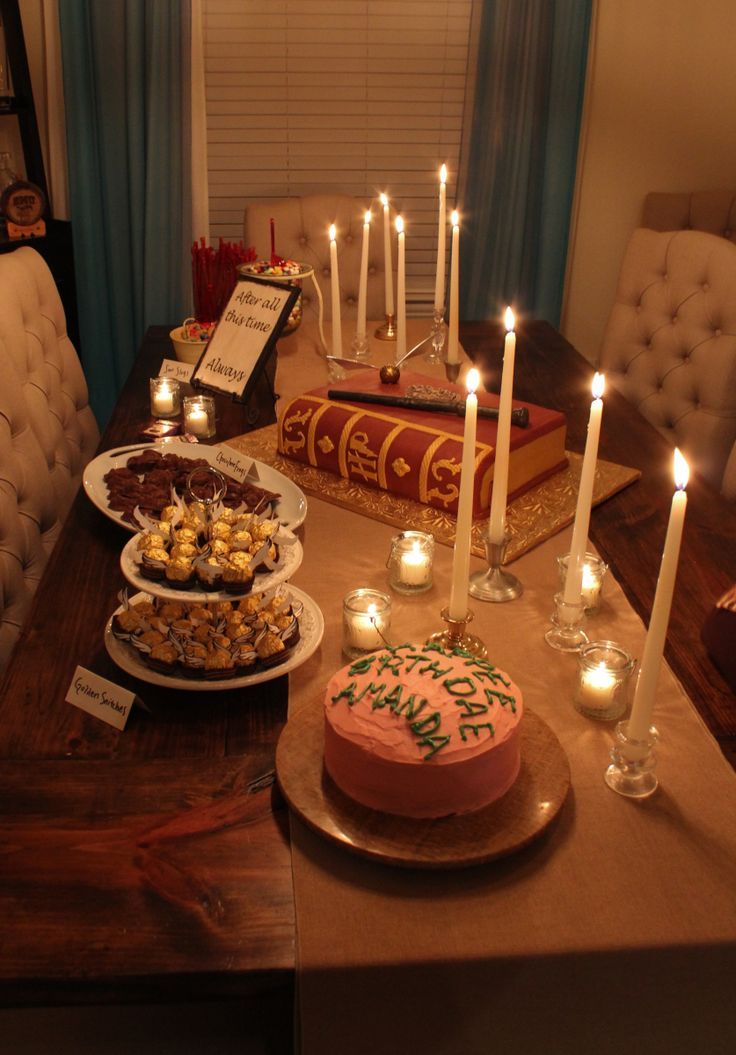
point(422, 732)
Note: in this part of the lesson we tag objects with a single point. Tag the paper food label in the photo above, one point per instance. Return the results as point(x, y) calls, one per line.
point(173, 368)
point(230, 461)
point(99, 697)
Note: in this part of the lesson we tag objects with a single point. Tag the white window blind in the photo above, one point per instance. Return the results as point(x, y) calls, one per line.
point(344, 96)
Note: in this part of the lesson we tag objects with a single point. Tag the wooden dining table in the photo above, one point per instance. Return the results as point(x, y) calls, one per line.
point(155, 864)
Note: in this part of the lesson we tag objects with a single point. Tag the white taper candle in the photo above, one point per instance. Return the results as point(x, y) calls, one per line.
point(401, 292)
point(458, 608)
point(651, 661)
point(454, 316)
point(439, 284)
point(363, 283)
point(574, 578)
point(497, 521)
point(389, 276)
point(335, 292)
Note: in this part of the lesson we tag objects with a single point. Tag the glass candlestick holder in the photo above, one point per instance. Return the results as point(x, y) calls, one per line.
point(602, 687)
point(438, 336)
point(633, 763)
point(199, 416)
point(165, 397)
point(410, 562)
point(360, 347)
point(594, 570)
point(568, 619)
point(366, 621)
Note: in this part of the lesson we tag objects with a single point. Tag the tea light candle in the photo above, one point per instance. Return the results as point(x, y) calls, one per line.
point(164, 397)
point(366, 621)
point(414, 568)
point(597, 687)
point(603, 675)
point(410, 561)
point(199, 415)
point(594, 570)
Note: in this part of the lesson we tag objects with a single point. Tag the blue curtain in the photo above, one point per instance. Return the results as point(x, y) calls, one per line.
point(124, 66)
point(526, 122)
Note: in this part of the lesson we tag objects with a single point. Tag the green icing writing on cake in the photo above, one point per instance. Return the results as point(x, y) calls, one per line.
point(470, 708)
point(475, 728)
point(427, 728)
point(504, 698)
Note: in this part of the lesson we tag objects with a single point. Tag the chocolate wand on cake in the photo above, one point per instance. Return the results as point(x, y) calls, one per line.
point(519, 415)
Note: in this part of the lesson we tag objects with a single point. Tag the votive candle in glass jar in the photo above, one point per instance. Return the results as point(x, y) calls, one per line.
point(410, 561)
point(593, 571)
point(366, 621)
point(199, 415)
point(165, 397)
point(604, 672)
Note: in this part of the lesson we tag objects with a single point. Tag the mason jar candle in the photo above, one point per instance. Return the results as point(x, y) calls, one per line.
point(165, 397)
point(410, 561)
point(594, 570)
point(199, 416)
point(366, 621)
point(602, 686)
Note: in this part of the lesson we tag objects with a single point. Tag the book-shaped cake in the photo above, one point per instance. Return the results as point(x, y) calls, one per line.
point(416, 454)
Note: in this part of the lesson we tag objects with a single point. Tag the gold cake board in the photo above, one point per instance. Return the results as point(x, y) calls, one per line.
point(531, 519)
point(506, 826)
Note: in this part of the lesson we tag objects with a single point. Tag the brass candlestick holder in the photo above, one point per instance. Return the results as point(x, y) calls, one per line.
point(387, 332)
point(495, 584)
point(454, 636)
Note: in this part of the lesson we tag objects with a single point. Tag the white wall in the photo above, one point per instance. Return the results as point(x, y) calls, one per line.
point(660, 115)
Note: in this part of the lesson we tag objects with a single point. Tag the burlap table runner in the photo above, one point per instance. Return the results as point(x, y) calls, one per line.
point(618, 924)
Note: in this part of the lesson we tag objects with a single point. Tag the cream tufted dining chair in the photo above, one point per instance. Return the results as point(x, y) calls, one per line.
point(670, 344)
point(301, 226)
point(47, 431)
point(713, 211)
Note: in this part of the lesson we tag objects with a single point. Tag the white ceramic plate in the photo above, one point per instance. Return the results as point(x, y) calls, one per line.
point(291, 507)
point(290, 557)
point(311, 629)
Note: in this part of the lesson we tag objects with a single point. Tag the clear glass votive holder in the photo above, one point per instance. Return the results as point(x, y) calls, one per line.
point(594, 570)
point(199, 416)
point(603, 679)
point(410, 562)
point(366, 621)
point(165, 397)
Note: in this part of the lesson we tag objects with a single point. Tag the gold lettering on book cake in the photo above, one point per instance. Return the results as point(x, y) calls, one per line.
point(400, 467)
point(383, 456)
point(453, 491)
point(312, 434)
point(361, 460)
point(427, 460)
point(325, 444)
point(299, 439)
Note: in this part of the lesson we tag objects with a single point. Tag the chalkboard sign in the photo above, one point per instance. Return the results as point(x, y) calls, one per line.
point(246, 333)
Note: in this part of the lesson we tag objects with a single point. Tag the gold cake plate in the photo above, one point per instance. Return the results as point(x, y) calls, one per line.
point(532, 518)
point(507, 825)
